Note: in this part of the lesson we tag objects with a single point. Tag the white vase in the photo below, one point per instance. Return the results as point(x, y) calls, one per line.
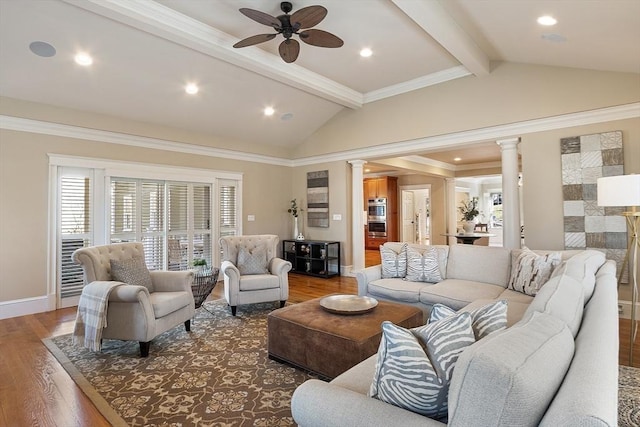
point(295, 227)
point(469, 226)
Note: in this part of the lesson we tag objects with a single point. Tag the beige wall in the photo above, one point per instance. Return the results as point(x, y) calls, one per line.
point(511, 93)
point(542, 177)
point(24, 199)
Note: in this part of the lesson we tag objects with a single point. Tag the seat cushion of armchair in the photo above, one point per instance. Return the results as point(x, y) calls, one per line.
point(167, 302)
point(257, 282)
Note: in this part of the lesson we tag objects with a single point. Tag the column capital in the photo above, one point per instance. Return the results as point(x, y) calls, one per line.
point(508, 143)
point(356, 163)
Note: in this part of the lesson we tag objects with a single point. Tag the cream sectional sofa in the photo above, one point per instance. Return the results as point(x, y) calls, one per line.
point(556, 365)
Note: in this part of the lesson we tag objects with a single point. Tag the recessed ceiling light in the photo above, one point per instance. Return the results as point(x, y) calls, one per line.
point(367, 170)
point(42, 49)
point(191, 88)
point(547, 20)
point(83, 59)
point(457, 159)
point(269, 111)
point(366, 52)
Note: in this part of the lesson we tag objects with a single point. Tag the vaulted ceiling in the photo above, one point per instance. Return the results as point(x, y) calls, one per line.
point(146, 52)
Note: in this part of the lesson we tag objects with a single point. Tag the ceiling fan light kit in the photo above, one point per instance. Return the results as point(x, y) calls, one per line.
point(298, 23)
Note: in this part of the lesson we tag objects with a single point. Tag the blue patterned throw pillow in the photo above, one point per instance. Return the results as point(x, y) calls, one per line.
point(484, 320)
point(423, 266)
point(414, 366)
point(394, 264)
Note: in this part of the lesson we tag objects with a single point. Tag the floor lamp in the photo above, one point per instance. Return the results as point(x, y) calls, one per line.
point(624, 190)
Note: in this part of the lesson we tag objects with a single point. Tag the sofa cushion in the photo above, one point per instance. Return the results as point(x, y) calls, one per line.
point(530, 271)
point(515, 296)
point(486, 319)
point(423, 266)
point(561, 297)
point(252, 260)
point(394, 262)
point(458, 293)
point(510, 378)
point(396, 289)
point(479, 264)
point(583, 267)
point(256, 282)
point(132, 271)
point(414, 367)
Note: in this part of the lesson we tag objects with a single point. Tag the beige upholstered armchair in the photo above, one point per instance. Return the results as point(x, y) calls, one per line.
point(135, 312)
point(252, 271)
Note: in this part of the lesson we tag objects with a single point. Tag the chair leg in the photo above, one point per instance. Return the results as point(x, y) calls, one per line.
point(233, 310)
point(187, 325)
point(144, 348)
point(282, 303)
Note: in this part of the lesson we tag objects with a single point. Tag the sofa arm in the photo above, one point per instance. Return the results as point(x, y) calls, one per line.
point(316, 403)
point(171, 281)
point(129, 293)
point(278, 266)
point(367, 275)
point(230, 271)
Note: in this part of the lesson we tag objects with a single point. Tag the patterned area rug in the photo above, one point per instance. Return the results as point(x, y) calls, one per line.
point(628, 397)
point(218, 375)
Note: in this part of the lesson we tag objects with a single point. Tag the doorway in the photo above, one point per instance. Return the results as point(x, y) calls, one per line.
point(415, 214)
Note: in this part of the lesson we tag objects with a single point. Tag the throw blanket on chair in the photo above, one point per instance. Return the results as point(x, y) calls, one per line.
point(92, 314)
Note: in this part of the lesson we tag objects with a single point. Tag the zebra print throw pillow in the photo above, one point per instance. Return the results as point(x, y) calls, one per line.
point(423, 266)
point(484, 320)
point(394, 264)
point(531, 271)
point(414, 366)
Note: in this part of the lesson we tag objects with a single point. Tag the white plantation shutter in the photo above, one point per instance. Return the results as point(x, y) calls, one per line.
point(152, 215)
point(178, 223)
point(124, 210)
point(74, 227)
point(201, 220)
point(228, 208)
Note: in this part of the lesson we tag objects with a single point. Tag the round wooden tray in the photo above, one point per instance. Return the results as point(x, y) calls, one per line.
point(348, 304)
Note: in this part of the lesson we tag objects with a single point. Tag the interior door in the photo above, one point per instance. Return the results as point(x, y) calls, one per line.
point(408, 218)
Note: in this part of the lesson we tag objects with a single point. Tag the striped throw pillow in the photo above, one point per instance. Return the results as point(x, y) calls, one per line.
point(414, 366)
point(394, 264)
point(484, 320)
point(423, 266)
point(531, 271)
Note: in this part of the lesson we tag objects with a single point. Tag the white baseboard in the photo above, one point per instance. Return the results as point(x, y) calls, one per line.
point(625, 306)
point(25, 306)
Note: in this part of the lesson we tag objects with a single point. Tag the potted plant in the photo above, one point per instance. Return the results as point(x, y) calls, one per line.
point(469, 211)
point(293, 210)
point(200, 263)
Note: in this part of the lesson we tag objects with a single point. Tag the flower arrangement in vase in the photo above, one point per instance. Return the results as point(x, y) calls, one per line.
point(469, 211)
point(294, 210)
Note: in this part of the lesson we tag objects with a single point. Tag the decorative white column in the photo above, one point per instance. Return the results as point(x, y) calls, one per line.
point(510, 193)
point(357, 219)
point(451, 209)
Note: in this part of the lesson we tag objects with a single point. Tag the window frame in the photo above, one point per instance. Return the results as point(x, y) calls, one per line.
point(103, 170)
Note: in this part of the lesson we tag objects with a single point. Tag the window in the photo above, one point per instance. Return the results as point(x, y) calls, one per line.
point(177, 220)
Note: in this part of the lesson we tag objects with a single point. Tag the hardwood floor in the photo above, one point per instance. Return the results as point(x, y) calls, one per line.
point(36, 391)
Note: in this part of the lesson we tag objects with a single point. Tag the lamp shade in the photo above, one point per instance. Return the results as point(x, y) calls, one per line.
point(621, 190)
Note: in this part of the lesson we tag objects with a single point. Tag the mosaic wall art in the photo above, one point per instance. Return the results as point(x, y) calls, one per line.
point(587, 225)
point(318, 199)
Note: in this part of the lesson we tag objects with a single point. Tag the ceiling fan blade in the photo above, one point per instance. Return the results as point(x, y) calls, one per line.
point(261, 17)
point(320, 38)
point(308, 17)
point(250, 41)
point(289, 50)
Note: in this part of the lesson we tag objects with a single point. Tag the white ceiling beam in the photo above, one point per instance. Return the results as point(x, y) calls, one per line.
point(159, 20)
point(434, 19)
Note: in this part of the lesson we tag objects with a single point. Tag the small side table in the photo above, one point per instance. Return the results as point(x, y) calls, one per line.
point(203, 283)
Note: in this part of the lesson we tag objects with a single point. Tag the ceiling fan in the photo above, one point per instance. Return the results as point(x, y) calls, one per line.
point(288, 25)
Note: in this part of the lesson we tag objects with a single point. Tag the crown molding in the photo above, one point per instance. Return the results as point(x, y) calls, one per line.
point(394, 149)
point(511, 130)
point(77, 132)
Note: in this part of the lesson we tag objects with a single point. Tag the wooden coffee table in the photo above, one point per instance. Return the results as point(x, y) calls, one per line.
point(307, 336)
